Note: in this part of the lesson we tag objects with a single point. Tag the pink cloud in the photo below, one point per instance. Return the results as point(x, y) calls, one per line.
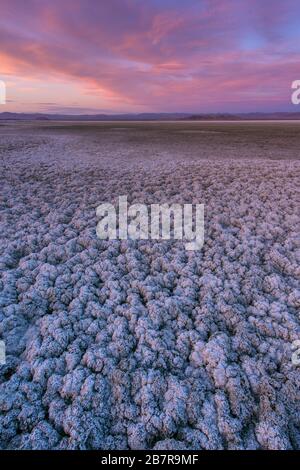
point(210, 55)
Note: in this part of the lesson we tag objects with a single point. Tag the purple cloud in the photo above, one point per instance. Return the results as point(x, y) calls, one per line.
point(208, 55)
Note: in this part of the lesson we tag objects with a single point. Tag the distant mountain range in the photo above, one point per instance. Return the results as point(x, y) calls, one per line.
point(149, 117)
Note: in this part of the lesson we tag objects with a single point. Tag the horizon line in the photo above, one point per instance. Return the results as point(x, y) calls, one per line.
point(160, 113)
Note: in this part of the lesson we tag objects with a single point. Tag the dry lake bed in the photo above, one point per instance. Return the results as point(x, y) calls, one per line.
point(143, 344)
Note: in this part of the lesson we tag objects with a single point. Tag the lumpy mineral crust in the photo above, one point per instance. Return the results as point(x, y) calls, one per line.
point(142, 344)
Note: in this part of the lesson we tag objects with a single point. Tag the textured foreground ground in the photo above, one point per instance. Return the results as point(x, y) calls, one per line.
point(117, 345)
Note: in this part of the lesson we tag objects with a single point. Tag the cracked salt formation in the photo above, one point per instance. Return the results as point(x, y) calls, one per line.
point(141, 344)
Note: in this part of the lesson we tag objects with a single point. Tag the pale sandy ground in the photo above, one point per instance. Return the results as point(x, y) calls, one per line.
point(117, 345)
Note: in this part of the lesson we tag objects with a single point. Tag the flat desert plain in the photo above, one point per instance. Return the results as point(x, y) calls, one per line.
point(142, 344)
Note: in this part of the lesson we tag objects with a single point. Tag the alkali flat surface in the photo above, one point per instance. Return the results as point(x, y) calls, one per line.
point(117, 345)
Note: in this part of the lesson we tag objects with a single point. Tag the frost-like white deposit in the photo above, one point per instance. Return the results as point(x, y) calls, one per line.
point(141, 344)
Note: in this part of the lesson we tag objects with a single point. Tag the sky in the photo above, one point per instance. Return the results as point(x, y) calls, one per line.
point(121, 56)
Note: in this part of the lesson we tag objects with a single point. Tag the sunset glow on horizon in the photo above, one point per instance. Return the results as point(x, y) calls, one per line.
point(121, 56)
